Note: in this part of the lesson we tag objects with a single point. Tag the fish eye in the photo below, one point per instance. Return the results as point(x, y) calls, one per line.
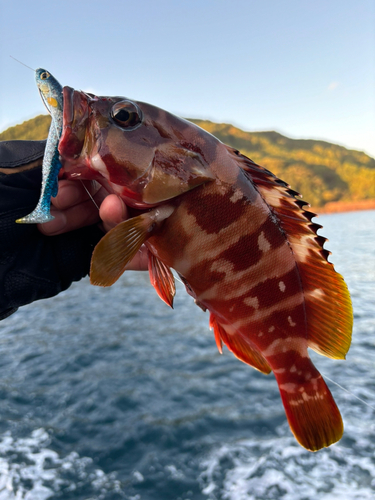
point(45, 75)
point(127, 115)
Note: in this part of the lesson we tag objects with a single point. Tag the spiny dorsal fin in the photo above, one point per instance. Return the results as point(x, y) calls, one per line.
point(328, 306)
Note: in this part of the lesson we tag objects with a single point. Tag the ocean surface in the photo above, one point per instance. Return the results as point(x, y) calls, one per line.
point(108, 394)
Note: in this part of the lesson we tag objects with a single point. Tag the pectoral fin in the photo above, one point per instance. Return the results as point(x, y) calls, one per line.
point(119, 246)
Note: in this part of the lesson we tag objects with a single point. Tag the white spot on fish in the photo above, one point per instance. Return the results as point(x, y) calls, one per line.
point(222, 266)
point(252, 302)
point(229, 329)
point(293, 369)
point(295, 403)
point(289, 387)
point(271, 329)
point(297, 344)
point(318, 293)
point(237, 195)
point(291, 322)
point(263, 244)
point(282, 286)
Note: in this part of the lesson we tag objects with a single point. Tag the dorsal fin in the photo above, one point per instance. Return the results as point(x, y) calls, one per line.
point(327, 300)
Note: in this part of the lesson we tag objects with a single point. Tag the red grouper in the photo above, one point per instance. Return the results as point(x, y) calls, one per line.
point(238, 236)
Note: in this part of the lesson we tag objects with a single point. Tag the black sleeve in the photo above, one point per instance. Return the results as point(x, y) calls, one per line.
point(34, 266)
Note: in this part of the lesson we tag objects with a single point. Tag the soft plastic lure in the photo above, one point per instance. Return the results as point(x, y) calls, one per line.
point(51, 93)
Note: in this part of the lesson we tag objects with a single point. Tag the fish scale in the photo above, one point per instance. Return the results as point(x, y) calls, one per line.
point(239, 237)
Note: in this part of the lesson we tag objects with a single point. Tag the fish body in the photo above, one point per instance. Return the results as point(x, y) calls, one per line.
point(51, 93)
point(239, 238)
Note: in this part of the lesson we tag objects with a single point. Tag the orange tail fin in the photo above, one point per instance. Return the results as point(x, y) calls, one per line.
point(311, 410)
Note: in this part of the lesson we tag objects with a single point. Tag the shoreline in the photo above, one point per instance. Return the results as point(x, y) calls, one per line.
point(344, 206)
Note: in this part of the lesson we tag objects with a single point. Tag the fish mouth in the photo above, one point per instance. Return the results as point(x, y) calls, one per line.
point(75, 120)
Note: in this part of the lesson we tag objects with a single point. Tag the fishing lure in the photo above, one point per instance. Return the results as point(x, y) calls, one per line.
point(51, 93)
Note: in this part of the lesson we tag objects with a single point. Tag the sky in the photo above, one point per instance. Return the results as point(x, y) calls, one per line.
point(305, 68)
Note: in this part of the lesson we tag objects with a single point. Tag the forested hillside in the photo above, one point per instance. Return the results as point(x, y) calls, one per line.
point(322, 172)
point(35, 129)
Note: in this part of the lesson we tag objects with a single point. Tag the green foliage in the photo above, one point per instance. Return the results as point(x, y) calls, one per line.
point(321, 171)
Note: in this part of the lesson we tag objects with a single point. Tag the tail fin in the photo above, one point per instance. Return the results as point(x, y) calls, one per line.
point(311, 410)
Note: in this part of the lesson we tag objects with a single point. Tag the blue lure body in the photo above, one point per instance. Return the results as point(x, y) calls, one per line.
point(51, 93)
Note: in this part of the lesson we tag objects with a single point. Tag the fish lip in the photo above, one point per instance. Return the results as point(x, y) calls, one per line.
point(68, 110)
point(75, 119)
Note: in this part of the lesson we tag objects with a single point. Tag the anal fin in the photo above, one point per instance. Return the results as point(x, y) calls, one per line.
point(242, 348)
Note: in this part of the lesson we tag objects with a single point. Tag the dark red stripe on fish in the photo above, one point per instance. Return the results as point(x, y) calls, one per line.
point(247, 252)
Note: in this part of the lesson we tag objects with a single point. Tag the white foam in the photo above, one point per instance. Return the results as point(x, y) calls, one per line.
point(280, 469)
point(29, 470)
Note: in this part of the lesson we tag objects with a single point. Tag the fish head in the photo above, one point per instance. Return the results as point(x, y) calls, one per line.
point(136, 150)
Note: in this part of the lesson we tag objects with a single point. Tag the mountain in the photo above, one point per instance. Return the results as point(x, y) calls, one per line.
point(321, 171)
point(35, 129)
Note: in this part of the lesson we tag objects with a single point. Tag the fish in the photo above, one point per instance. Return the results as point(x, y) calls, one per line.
point(51, 93)
point(242, 241)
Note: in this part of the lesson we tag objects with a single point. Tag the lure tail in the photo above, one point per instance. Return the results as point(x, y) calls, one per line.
point(50, 169)
point(38, 216)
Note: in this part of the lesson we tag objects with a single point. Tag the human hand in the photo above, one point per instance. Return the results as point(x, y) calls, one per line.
point(73, 208)
point(41, 261)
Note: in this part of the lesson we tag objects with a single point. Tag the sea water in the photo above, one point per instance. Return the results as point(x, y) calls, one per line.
point(108, 394)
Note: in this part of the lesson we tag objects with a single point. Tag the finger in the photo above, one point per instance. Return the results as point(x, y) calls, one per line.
point(82, 214)
point(112, 211)
point(140, 261)
point(74, 192)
